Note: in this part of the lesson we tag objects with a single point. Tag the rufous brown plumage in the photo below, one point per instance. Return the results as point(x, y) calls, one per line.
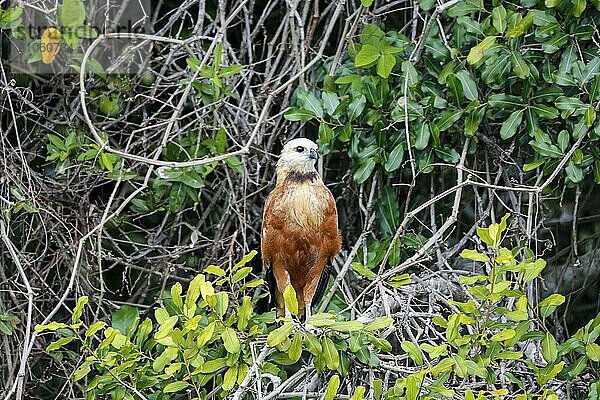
point(300, 233)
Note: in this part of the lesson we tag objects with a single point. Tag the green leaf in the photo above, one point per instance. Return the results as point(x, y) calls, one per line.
point(571, 104)
point(474, 255)
point(230, 70)
point(546, 149)
point(511, 124)
point(206, 334)
point(549, 349)
point(325, 134)
point(308, 101)
point(388, 210)
point(366, 3)
point(503, 335)
point(460, 366)
point(95, 327)
point(143, 332)
point(124, 318)
point(194, 290)
point(57, 344)
point(298, 114)
point(245, 260)
point(578, 7)
point(470, 25)
point(291, 301)
point(589, 117)
point(484, 235)
point(399, 280)
point(176, 290)
point(448, 118)
point(411, 73)
point(230, 340)
point(591, 70)
point(468, 84)
point(212, 366)
point(378, 324)
point(533, 270)
point(422, 136)
point(222, 303)
point(312, 343)
point(175, 387)
point(563, 140)
point(356, 106)
point(413, 351)
point(533, 165)
point(166, 327)
point(395, 158)
point(214, 270)
point(592, 350)
point(82, 370)
point(476, 53)
point(78, 310)
point(347, 326)
point(332, 387)
point(574, 172)
point(550, 303)
point(362, 270)
point(71, 13)
point(473, 120)
point(504, 101)
point(385, 64)
point(330, 102)
point(280, 334)
point(499, 18)
point(241, 274)
point(520, 67)
point(321, 319)
point(510, 355)
point(359, 393)
point(368, 54)
point(346, 79)
point(553, 44)
point(230, 378)
point(412, 387)
point(364, 171)
point(330, 354)
point(295, 350)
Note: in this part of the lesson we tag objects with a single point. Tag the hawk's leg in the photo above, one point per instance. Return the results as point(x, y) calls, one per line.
point(307, 326)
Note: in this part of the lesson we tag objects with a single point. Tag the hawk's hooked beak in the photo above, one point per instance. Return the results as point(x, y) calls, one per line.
point(313, 154)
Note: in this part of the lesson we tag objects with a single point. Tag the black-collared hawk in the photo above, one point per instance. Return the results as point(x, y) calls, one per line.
point(300, 233)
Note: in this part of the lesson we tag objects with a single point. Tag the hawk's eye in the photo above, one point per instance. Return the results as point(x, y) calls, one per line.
point(299, 149)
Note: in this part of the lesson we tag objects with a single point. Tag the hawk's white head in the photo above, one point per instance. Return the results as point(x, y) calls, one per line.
point(298, 155)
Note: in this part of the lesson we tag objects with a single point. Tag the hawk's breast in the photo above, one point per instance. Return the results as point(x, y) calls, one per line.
point(304, 204)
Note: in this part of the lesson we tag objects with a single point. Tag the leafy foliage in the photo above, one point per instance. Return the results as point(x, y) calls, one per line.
point(204, 338)
point(527, 74)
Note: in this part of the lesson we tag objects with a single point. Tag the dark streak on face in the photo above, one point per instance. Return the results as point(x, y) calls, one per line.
point(300, 177)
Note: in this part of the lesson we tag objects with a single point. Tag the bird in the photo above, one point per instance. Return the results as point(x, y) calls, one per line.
point(299, 235)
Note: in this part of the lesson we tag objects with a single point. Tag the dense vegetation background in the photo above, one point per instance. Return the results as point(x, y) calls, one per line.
point(129, 170)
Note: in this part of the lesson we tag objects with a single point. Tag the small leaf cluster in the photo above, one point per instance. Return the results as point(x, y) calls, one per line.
point(75, 149)
point(487, 336)
point(211, 88)
point(203, 339)
point(336, 344)
point(176, 189)
point(527, 74)
point(197, 340)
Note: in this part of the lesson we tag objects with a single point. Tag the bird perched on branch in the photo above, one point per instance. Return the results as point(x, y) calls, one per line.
point(300, 233)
